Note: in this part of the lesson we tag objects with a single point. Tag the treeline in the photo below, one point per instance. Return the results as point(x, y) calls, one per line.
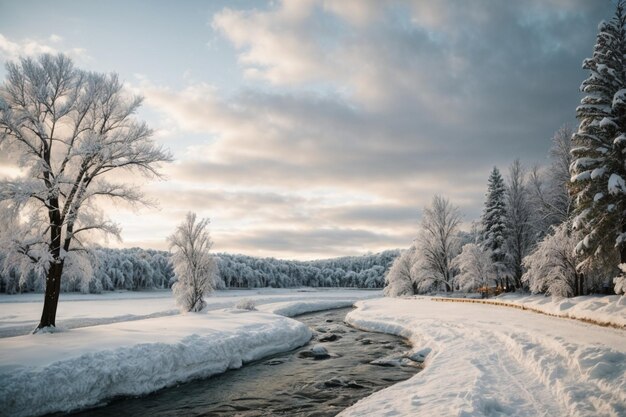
point(139, 269)
point(367, 271)
point(98, 270)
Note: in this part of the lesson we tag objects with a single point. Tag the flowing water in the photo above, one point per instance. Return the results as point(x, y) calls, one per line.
point(293, 383)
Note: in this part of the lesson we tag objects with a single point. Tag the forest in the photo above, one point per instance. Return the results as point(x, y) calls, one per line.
point(139, 269)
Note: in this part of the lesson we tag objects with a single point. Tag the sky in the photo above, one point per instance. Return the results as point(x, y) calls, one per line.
point(315, 128)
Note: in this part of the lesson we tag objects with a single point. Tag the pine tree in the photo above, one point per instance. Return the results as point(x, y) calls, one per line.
point(598, 169)
point(494, 223)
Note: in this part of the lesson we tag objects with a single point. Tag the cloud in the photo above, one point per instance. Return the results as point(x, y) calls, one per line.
point(12, 49)
point(353, 114)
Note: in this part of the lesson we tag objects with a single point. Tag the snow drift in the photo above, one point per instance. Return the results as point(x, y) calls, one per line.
point(64, 371)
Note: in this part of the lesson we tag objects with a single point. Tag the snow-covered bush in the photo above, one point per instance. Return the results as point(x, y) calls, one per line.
point(476, 268)
point(551, 267)
point(246, 304)
point(194, 266)
point(399, 280)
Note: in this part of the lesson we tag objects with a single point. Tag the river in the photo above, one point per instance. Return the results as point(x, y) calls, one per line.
point(294, 383)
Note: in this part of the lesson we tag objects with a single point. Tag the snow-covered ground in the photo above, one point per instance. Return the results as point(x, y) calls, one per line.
point(63, 371)
point(480, 359)
point(19, 314)
point(487, 360)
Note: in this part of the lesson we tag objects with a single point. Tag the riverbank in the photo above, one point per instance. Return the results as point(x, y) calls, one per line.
point(488, 360)
point(63, 371)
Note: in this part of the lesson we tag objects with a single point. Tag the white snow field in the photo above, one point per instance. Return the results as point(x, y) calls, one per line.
point(19, 313)
point(485, 360)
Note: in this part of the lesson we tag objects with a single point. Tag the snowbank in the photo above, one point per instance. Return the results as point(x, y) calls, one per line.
point(294, 308)
point(484, 360)
point(607, 310)
point(63, 371)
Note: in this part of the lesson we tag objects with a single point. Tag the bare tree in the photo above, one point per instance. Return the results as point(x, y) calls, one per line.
point(550, 196)
point(520, 236)
point(437, 245)
point(70, 130)
point(194, 267)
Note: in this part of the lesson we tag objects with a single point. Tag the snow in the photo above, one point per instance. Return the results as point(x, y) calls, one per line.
point(294, 308)
point(19, 313)
point(68, 370)
point(616, 184)
point(489, 360)
point(607, 310)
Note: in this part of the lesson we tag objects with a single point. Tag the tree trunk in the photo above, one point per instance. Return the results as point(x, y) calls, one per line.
point(51, 299)
point(622, 249)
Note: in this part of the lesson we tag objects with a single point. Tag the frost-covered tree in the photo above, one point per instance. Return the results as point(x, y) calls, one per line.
point(70, 130)
point(400, 278)
point(549, 189)
point(520, 233)
point(476, 268)
point(194, 266)
point(494, 223)
point(552, 266)
point(599, 166)
point(437, 245)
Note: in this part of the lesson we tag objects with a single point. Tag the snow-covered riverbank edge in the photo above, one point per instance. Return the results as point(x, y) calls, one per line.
point(487, 360)
point(607, 310)
point(63, 371)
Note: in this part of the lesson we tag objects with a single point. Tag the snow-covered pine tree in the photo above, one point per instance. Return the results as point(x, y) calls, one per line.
point(494, 223)
point(598, 169)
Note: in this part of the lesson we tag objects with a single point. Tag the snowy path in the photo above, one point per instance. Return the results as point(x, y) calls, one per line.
point(19, 314)
point(494, 361)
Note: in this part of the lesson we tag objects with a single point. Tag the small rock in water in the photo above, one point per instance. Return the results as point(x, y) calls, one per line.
point(329, 338)
point(321, 329)
point(342, 382)
point(419, 356)
point(273, 362)
point(387, 361)
point(329, 321)
point(366, 342)
point(316, 352)
point(395, 360)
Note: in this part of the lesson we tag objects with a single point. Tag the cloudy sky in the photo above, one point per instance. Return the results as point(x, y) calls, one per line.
point(318, 128)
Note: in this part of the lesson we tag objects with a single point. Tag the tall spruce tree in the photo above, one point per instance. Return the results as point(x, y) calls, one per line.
point(494, 223)
point(598, 169)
